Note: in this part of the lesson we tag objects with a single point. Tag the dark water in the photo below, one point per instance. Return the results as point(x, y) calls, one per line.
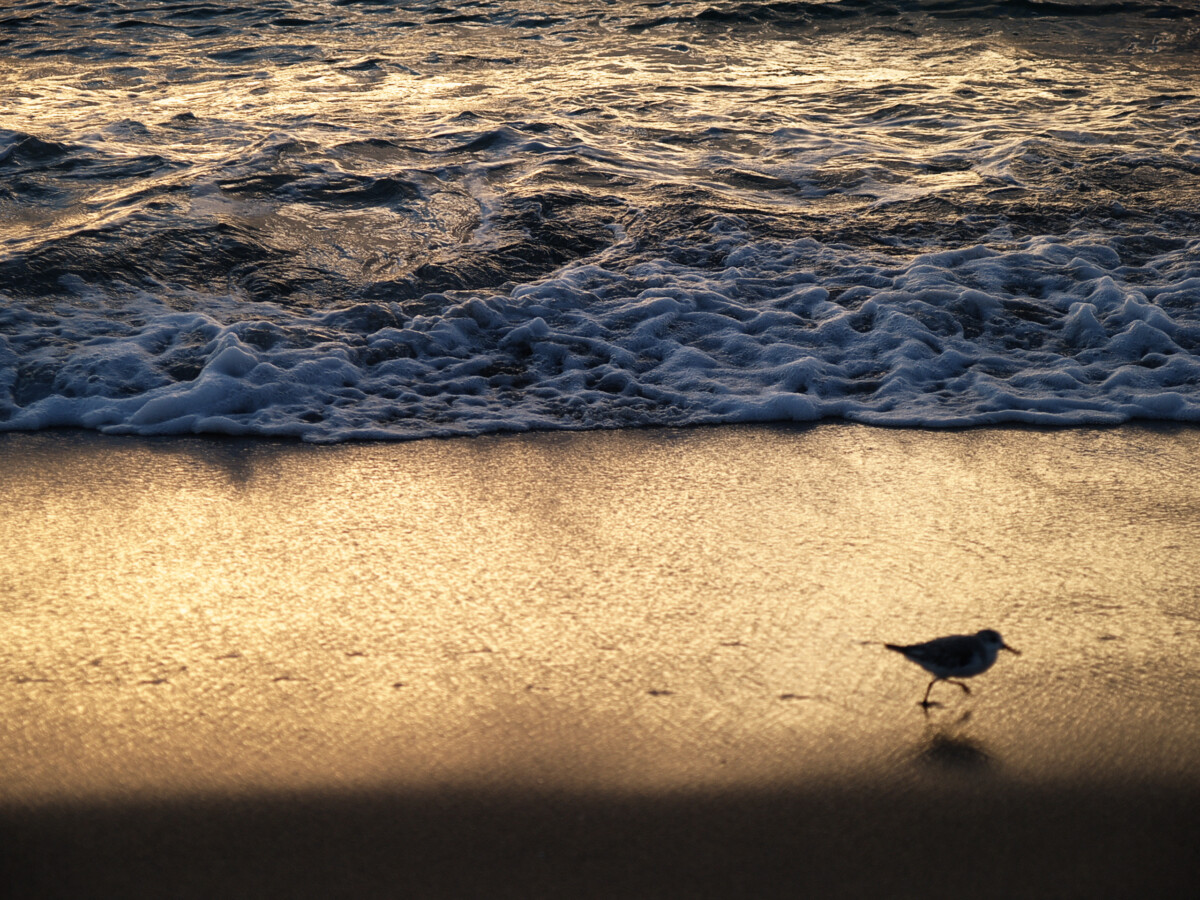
point(347, 219)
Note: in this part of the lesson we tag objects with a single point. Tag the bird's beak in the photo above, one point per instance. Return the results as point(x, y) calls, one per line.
point(1010, 650)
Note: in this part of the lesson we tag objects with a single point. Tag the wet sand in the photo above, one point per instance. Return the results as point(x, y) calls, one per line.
point(631, 664)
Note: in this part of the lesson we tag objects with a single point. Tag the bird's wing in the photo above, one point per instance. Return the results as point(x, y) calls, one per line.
point(952, 652)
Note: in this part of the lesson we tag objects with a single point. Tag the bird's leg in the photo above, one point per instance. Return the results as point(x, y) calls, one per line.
point(925, 702)
point(966, 690)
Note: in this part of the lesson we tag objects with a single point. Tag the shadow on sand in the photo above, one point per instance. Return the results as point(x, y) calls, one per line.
point(946, 835)
point(946, 748)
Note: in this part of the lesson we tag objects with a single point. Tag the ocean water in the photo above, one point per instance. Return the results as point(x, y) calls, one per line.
point(349, 219)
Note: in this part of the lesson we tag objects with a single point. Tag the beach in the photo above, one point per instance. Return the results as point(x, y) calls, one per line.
point(487, 450)
point(635, 663)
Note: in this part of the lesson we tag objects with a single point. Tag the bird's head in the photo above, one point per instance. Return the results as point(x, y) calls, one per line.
point(992, 639)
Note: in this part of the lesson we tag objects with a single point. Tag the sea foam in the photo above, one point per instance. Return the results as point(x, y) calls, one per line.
point(580, 214)
point(938, 341)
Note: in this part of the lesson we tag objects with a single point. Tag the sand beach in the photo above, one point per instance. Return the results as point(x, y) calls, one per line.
point(636, 663)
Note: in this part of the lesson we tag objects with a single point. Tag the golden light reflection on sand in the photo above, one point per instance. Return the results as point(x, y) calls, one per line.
point(616, 611)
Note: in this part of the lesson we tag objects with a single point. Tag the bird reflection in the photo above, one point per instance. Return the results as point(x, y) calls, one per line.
point(946, 748)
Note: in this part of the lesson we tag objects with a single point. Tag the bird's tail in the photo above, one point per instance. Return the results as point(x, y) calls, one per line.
point(896, 647)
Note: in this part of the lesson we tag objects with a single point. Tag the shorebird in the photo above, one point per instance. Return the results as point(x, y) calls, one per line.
point(955, 656)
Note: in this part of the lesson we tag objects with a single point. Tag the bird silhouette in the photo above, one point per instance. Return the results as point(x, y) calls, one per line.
point(954, 656)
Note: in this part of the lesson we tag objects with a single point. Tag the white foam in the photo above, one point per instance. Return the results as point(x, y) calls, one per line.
point(939, 341)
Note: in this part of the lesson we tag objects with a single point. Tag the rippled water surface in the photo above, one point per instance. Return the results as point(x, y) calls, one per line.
point(399, 219)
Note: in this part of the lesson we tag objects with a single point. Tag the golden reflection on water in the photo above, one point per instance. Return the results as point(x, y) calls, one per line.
point(805, 123)
point(634, 610)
